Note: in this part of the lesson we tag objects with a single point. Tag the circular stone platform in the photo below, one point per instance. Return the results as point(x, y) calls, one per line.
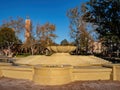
point(61, 58)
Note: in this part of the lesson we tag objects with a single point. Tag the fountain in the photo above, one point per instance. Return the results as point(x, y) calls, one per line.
point(59, 68)
point(54, 74)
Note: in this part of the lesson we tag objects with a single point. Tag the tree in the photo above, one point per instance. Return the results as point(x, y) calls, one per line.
point(106, 15)
point(64, 42)
point(45, 34)
point(17, 24)
point(7, 38)
point(78, 30)
point(7, 35)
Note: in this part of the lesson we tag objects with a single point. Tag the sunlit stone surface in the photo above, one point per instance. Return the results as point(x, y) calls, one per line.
point(61, 57)
point(62, 49)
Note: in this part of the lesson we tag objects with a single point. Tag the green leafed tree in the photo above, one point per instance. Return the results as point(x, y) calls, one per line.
point(64, 42)
point(7, 40)
point(105, 14)
point(7, 35)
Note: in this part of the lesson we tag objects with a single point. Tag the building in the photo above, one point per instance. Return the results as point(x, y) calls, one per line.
point(97, 47)
point(28, 29)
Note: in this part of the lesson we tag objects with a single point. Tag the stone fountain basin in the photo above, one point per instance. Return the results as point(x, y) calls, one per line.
point(61, 49)
point(52, 74)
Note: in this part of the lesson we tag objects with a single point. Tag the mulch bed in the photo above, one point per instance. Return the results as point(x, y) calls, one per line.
point(19, 84)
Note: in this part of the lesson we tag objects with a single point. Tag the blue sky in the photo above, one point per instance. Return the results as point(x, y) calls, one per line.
point(41, 11)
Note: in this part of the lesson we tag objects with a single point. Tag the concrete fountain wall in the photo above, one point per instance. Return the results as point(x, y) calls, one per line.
point(116, 72)
point(90, 73)
point(52, 75)
point(58, 75)
point(17, 72)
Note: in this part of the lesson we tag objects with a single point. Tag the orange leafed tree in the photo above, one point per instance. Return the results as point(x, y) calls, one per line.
point(45, 34)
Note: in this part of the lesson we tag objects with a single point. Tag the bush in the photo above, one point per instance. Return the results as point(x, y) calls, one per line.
point(23, 55)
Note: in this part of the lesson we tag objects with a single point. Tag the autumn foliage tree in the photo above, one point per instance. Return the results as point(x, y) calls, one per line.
point(45, 34)
point(78, 30)
point(38, 39)
point(17, 24)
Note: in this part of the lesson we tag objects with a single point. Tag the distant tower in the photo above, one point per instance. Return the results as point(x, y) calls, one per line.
point(28, 29)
